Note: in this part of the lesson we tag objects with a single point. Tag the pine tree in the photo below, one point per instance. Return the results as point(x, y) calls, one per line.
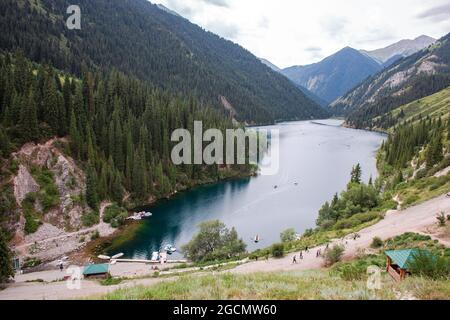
point(5, 144)
point(28, 118)
point(50, 104)
point(6, 270)
point(74, 136)
point(356, 174)
point(117, 189)
point(91, 188)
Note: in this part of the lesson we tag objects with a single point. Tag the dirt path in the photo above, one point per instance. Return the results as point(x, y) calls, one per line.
point(415, 219)
point(102, 227)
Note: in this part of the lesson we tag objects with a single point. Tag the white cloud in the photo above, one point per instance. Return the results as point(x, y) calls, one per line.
point(284, 31)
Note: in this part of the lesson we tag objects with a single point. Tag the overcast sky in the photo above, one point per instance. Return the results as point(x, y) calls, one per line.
point(298, 32)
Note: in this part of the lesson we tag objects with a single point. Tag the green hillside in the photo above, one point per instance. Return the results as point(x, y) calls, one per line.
point(150, 44)
point(433, 106)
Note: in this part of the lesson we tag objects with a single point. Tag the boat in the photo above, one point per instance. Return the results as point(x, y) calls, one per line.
point(147, 214)
point(170, 249)
point(155, 256)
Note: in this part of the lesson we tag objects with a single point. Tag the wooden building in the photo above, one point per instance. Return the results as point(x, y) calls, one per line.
point(397, 262)
point(96, 271)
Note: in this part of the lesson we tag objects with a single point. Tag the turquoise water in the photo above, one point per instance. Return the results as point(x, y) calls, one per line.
point(315, 163)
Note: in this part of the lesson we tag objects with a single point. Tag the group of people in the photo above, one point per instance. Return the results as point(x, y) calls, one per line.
point(300, 256)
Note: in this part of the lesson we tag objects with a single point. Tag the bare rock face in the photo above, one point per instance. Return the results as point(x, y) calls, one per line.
point(61, 230)
point(24, 184)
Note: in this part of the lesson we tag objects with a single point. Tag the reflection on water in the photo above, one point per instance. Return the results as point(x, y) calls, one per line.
point(315, 162)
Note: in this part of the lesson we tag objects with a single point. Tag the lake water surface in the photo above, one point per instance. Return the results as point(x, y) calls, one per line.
point(315, 162)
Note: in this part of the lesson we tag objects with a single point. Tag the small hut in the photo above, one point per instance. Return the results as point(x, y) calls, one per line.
point(98, 271)
point(397, 262)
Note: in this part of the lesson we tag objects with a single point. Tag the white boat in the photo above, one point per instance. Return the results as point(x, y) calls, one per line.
point(170, 249)
point(147, 214)
point(155, 256)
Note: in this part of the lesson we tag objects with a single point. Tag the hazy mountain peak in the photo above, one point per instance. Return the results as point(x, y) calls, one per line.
point(334, 75)
point(270, 64)
point(403, 48)
point(164, 8)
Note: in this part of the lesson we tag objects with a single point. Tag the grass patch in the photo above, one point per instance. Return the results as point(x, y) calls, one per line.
point(49, 194)
point(278, 286)
point(90, 218)
point(110, 281)
point(115, 215)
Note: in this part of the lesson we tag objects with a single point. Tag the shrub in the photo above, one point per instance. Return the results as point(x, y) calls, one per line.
point(356, 220)
point(110, 281)
point(288, 235)
point(334, 255)
point(90, 218)
point(49, 194)
point(411, 199)
point(277, 250)
point(376, 243)
point(214, 241)
point(430, 266)
point(31, 223)
point(30, 262)
point(351, 272)
point(95, 235)
point(441, 219)
point(422, 173)
point(115, 215)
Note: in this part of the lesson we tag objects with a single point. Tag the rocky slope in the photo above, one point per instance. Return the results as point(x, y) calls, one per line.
point(334, 75)
point(402, 48)
point(411, 78)
point(42, 168)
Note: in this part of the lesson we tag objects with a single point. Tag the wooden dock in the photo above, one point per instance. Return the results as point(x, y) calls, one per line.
point(149, 261)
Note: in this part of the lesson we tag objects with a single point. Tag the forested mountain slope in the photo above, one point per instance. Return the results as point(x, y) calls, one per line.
point(115, 128)
point(166, 50)
point(334, 75)
point(434, 106)
point(411, 78)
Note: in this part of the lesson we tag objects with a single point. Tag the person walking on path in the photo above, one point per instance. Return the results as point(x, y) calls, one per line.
point(294, 259)
point(301, 255)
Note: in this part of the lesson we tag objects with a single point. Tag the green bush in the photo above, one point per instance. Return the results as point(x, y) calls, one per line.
point(376, 243)
point(356, 220)
point(441, 219)
point(357, 269)
point(214, 242)
point(90, 218)
point(277, 250)
point(411, 199)
point(32, 221)
point(110, 281)
point(49, 194)
point(30, 262)
point(422, 173)
point(334, 254)
point(115, 215)
point(95, 235)
point(429, 265)
point(288, 235)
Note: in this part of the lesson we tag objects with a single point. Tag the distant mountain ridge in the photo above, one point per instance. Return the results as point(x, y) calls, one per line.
point(337, 74)
point(156, 45)
point(334, 75)
point(409, 79)
point(270, 65)
point(401, 48)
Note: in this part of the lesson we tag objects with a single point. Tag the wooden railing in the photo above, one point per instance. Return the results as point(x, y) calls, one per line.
point(394, 274)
